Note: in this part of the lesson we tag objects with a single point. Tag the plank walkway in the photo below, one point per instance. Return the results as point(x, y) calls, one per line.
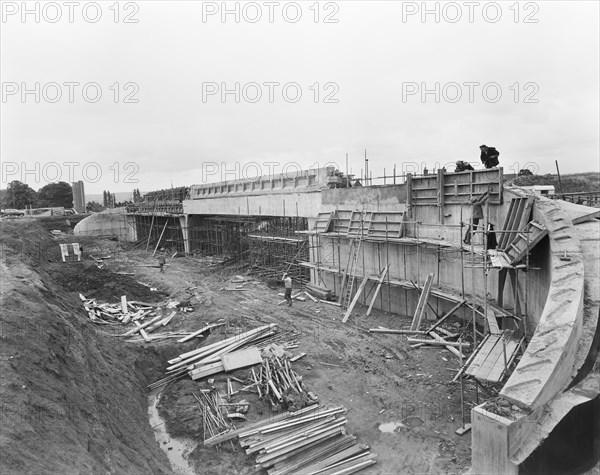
point(489, 363)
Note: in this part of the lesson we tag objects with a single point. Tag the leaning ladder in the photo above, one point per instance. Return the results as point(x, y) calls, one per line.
point(354, 255)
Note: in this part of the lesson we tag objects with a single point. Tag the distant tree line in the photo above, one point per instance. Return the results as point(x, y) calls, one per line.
point(19, 195)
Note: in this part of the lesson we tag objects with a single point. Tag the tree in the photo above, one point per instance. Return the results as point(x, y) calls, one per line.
point(109, 199)
point(525, 172)
point(137, 196)
point(19, 195)
point(94, 207)
point(56, 194)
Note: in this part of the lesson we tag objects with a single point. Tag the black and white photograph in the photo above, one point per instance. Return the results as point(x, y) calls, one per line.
point(303, 237)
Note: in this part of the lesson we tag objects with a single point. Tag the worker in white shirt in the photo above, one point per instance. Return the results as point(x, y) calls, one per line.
point(287, 280)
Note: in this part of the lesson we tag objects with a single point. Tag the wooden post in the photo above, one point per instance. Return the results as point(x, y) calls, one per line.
point(161, 235)
point(150, 232)
point(440, 192)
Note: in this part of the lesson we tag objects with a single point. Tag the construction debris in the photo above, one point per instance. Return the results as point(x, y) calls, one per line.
point(118, 313)
point(319, 292)
point(276, 379)
point(206, 361)
point(310, 440)
point(214, 421)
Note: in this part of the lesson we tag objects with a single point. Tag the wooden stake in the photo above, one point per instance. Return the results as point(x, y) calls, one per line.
point(379, 283)
point(161, 235)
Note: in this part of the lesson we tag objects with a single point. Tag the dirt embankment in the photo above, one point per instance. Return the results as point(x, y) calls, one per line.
point(72, 400)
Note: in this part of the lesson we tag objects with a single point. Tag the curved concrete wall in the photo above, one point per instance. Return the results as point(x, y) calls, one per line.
point(546, 366)
point(111, 223)
point(537, 385)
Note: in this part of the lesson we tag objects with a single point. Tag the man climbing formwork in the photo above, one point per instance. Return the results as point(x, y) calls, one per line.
point(476, 202)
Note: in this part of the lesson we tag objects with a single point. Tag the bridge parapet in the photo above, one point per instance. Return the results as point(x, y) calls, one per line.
point(289, 182)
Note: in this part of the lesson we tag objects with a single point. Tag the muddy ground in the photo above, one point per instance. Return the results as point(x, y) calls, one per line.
point(74, 397)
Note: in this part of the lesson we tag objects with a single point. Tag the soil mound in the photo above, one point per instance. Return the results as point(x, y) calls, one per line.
point(72, 400)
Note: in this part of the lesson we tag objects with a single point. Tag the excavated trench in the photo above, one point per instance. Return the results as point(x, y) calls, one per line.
point(73, 397)
point(177, 448)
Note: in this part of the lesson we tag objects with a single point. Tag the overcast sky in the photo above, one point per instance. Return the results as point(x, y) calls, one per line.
point(413, 83)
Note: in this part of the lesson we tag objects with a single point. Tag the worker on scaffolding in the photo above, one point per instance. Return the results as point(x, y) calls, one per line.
point(462, 166)
point(489, 156)
point(287, 281)
point(476, 202)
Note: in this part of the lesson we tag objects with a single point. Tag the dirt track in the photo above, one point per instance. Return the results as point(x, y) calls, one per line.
point(81, 394)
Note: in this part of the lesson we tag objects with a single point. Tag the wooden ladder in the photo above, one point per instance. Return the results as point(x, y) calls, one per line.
point(351, 271)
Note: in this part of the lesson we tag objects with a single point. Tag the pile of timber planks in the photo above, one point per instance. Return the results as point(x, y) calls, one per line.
point(208, 360)
point(213, 415)
point(117, 313)
point(276, 378)
point(309, 441)
point(319, 292)
point(436, 338)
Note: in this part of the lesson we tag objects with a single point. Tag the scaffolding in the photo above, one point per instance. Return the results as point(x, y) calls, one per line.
point(278, 245)
point(270, 246)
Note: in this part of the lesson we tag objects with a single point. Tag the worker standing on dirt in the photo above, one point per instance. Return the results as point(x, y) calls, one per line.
point(287, 280)
point(161, 264)
point(476, 201)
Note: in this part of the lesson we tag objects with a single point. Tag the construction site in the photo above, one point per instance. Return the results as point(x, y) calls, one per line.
point(417, 338)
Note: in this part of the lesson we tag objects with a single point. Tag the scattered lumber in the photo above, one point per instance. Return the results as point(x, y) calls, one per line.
point(319, 292)
point(312, 440)
point(337, 304)
point(142, 326)
point(206, 361)
point(200, 332)
point(298, 297)
point(439, 343)
point(122, 313)
point(276, 376)
point(160, 323)
point(450, 312)
point(233, 433)
point(450, 348)
point(241, 358)
point(399, 332)
point(310, 297)
point(214, 421)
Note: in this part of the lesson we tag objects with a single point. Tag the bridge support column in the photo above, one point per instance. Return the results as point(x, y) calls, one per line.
point(185, 232)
